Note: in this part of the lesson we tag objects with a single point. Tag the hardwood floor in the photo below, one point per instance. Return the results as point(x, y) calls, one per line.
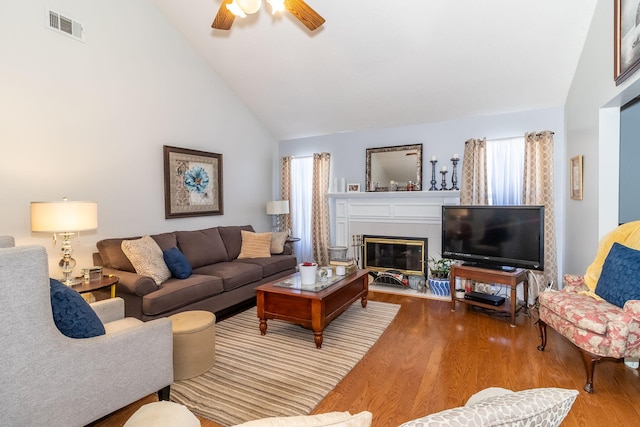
point(430, 359)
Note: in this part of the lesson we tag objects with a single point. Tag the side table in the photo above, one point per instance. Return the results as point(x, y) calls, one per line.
point(107, 281)
point(510, 279)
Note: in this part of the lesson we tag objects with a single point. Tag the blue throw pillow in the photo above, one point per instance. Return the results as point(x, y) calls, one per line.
point(619, 281)
point(178, 264)
point(73, 316)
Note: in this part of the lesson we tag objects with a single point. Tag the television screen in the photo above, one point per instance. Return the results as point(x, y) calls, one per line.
point(494, 236)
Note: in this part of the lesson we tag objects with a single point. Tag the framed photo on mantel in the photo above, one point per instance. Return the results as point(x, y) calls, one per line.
point(192, 183)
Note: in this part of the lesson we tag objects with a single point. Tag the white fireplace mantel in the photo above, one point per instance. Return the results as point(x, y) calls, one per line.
point(394, 213)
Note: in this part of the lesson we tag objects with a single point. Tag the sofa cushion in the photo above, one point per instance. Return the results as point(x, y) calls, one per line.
point(255, 245)
point(73, 316)
point(110, 251)
point(175, 293)
point(233, 274)
point(329, 419)
point(146, 257)
point(278, 239)
point(165, 240)
point(178, 264)
point(232, 239)
point(202, 247)
point(272, 265)
point(541, 407)
point(619, 280)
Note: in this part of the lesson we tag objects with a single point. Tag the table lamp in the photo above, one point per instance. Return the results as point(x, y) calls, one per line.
point(64, 218)
point(278, 208)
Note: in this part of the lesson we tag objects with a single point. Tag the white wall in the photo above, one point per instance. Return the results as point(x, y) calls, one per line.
point(592, 125)
point(440, 139)
point(88, 121)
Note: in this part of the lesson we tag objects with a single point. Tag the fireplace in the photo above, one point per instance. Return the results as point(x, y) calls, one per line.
point(405, 254)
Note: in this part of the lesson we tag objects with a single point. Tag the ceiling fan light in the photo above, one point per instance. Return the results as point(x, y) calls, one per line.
point(236, 9)
point(249, 6)
point(276, 6)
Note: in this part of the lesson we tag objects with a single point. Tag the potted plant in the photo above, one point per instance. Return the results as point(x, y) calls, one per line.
point(439, 277)
point(440, 268)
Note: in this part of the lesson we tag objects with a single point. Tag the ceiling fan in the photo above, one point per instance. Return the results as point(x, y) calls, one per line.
point(229, 9)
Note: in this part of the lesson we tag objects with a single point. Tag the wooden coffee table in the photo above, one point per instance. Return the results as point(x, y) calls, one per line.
point(310, 309)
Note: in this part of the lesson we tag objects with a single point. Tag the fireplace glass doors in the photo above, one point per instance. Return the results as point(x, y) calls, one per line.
point(405, 254)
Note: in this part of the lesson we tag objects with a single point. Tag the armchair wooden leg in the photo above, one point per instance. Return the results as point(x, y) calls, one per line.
point(589, 360)
point(163, 394)
point(543, 335)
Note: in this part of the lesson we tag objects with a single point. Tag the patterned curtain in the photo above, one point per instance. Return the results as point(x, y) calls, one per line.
point(538, 190)
point(285, 189)
point(320, 207)
point(473, 184)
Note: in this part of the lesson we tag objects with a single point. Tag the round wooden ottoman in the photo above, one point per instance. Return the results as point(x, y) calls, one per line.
point(194, 343)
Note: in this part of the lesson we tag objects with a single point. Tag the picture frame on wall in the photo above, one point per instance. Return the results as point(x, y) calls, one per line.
point(575, 170)
point(626, 39)
point(353, 188)
point(192, 183)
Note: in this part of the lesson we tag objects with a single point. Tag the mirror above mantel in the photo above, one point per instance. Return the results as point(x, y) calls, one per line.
point(400, 164)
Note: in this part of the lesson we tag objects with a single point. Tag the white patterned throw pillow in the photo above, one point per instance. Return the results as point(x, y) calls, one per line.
point(146, 257)
point(538, 407)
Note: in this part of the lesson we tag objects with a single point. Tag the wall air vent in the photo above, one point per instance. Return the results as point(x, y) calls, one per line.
point(63, 25)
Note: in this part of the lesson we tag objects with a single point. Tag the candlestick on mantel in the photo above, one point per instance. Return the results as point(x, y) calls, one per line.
point(454, 175)
point(444, 178)
point(433, 174)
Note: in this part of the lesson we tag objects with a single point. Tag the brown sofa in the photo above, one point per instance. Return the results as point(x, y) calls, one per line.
point(219, 280)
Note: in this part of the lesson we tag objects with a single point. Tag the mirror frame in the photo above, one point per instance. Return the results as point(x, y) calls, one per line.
point(411, 147)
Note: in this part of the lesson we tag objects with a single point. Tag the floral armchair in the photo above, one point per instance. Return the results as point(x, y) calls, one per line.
point(600, 311)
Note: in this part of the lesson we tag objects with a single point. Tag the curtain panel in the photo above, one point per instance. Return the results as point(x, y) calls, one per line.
point(473, 184)
point(538, 190)
point(320, 208)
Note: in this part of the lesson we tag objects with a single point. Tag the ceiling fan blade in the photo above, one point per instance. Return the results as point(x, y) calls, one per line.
point(224, 18)
point(305, 14)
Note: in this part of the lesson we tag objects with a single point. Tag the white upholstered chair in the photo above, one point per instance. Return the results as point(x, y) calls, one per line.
point(50, 379)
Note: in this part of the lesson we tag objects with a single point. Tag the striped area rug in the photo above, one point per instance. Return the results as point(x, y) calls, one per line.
point(281, 373)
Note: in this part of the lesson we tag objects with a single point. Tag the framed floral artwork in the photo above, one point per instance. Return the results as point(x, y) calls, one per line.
point(575, 167)
point(192, 183)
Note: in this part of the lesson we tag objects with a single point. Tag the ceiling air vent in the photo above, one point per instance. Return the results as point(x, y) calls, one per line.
point(64, 25)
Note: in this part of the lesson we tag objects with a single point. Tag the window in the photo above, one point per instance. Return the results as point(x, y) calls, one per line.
point(505, 171)
point(301, 197)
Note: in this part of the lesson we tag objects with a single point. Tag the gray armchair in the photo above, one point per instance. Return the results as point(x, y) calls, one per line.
point(50, 379)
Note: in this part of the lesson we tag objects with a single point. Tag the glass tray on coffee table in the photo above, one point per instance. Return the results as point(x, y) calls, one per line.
point(294, 282)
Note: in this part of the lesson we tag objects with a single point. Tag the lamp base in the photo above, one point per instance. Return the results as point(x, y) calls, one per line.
point(71, 281)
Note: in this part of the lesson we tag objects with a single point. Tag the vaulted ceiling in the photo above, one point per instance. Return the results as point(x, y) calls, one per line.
point(377, 64)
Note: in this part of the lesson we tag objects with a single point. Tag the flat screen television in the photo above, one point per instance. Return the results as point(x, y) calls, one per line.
point(499, 237)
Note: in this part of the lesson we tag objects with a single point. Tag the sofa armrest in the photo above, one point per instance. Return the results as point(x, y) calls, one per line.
point(132, 283)
point(632, 307)
point(125, 366)
point(109, 310)
point(574, 283)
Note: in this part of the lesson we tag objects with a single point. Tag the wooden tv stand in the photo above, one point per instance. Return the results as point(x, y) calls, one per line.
point(485, 275)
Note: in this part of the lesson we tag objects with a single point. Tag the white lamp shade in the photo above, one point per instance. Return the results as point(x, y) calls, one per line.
point(64, 216)
point(278, 207)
